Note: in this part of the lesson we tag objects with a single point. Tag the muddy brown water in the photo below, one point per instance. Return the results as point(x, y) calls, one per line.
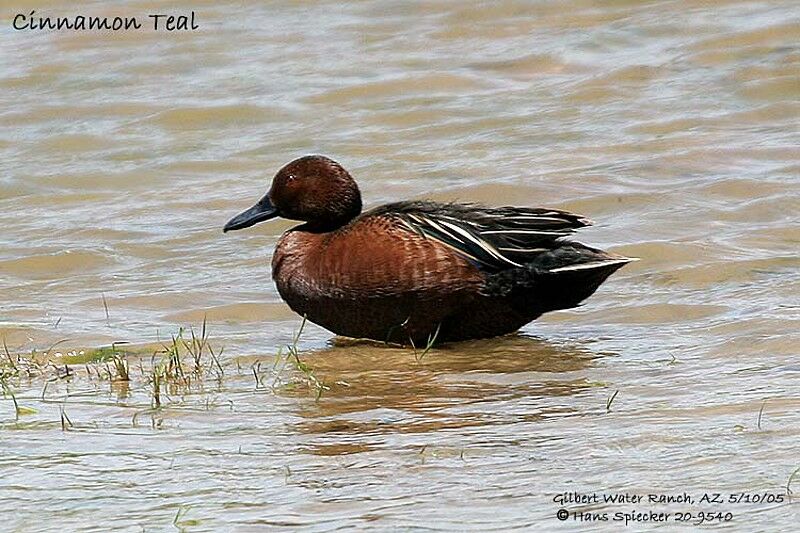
point(674, 125)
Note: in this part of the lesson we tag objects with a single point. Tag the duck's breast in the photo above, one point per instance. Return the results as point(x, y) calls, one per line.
point(369, 257)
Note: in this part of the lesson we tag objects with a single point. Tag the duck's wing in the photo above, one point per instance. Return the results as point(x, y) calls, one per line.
point(494, 238)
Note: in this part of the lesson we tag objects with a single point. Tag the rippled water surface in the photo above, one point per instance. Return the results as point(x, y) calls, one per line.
point(674, 125)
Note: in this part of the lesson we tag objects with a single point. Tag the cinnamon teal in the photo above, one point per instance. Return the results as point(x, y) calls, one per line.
point(415, 271)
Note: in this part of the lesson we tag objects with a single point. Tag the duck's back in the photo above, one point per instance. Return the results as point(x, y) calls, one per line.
point(407, 270)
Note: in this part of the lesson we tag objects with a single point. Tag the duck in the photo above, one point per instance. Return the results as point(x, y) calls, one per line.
point(419, 272)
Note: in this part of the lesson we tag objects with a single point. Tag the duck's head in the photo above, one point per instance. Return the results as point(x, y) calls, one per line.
point(313, 189)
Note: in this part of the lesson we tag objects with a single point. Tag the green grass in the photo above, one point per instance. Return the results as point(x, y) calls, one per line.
point(431, 341)
point(761, 414)
point(11, 360)
point(97, 355)
point(19, 410)
point(166, 372)
point(288, 359)
point(311, 379)
point(611, 400)
point(65, 421)
point(156, 380)
point(179, 366)
point(180, 522)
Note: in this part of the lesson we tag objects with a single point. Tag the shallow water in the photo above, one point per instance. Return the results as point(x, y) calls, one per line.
point(674, 125)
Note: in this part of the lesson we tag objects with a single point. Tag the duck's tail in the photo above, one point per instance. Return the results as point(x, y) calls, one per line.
point(558, 279)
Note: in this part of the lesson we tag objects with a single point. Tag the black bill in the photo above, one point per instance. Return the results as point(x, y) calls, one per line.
point(263, 210)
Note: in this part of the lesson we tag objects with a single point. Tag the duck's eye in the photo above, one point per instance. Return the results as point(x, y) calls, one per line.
point(291, 177)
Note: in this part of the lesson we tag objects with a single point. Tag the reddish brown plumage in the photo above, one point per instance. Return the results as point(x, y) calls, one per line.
point(371, 276)
point(410, 271)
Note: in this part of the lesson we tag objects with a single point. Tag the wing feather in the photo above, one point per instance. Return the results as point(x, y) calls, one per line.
point(494, 238)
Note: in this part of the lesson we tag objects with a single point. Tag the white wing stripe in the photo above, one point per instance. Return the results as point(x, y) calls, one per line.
point(535, 217)
point(588, 266)
point(461, 221)
point(437, 227)
point(525, 250)
point(525, 232)
point(482, 243)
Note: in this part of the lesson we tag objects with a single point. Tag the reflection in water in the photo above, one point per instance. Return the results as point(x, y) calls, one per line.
point(375, 389)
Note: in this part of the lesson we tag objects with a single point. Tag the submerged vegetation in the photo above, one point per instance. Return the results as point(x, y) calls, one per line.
point(168, 372)
point(288, 357)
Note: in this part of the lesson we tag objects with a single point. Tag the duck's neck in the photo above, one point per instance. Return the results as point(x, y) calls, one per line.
point(324, 226)
point(334, 221)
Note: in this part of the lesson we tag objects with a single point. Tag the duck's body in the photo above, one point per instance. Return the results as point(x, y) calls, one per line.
point(415, 271)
